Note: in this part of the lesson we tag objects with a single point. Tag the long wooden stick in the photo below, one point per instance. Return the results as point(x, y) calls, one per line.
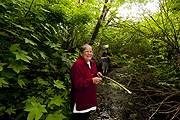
point(117, 83)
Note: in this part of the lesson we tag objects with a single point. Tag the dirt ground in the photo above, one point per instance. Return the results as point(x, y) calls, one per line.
point(114, 103)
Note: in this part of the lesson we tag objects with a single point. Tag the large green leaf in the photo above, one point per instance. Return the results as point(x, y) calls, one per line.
point(30, 100)
point(57, 100)
point(59, 84)
point(21, 82)
point(2, 82)
point(14, 47)
point(30, 42)
point(41, 81)
point(17, 66)
point(36, 111)
point(50, 91)
point(10, 111)
point(2, 108)
point(21, 54)
point(43, 55)
point(1, 66)
point(56, 116)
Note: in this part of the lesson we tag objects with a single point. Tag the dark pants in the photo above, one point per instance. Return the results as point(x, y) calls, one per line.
point(80, 116)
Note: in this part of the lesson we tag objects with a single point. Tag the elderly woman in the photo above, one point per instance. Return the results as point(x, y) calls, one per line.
point(84, 78)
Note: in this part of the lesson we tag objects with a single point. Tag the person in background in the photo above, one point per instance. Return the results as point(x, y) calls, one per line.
point(84, 80)
point(105, 61)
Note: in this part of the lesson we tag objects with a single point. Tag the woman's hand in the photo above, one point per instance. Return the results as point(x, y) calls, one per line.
point(97, 80)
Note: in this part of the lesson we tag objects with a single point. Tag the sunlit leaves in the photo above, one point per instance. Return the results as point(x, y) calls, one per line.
point(21, 54)
point(10, 111)
point(36, 111)
point(14, 47)
point(57, 100)
point(53, 45)
point(1, 66)
point(167, 84)
point(56, 116)
point(42, 55)
point(3, 5)
point(45, 10)
point(67, 76)
point(45, 28)
point(67, 61)
point(17, 66)
point(30, 100)
point(2, 108)
point(2, 81)
point(30, 41)
point(41, 81)
point(21, 83)
point(59, 84)
point(176, 6)
point(35, 55)
point(50, 91)
point(49, 25)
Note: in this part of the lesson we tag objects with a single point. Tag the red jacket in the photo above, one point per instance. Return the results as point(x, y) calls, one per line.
point(83, 90)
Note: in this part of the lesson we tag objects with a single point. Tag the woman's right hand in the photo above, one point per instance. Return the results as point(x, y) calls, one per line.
point(97, 80)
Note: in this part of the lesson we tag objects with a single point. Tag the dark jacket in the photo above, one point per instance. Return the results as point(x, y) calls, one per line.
point(104, 55)
point(83, 91)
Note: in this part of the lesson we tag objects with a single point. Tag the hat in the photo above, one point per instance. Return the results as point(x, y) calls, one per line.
point(106, 48)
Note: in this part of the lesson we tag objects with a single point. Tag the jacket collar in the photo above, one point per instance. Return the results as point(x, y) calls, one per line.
point(83, 60)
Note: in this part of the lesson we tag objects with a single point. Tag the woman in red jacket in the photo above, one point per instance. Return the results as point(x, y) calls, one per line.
point(84, 78)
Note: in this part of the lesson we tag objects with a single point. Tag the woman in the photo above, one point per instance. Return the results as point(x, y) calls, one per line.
point(84, 78)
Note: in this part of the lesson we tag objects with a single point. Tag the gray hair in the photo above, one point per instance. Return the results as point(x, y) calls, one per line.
point(82, 48)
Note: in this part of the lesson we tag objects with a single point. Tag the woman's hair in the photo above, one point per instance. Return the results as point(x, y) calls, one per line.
point(82, 48)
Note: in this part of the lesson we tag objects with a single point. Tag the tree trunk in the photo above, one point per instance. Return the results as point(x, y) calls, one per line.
point(101, 19)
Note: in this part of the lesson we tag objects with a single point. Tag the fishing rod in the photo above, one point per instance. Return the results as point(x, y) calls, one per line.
point(117, 83)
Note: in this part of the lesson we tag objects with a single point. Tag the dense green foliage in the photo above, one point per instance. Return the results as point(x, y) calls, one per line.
point(39, 41)
point(35, 79)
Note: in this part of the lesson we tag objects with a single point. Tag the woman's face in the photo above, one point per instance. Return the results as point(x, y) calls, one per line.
point(87, 53)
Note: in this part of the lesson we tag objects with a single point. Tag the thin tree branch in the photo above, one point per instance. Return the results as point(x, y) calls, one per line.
point(161, 104)
point(29, 8)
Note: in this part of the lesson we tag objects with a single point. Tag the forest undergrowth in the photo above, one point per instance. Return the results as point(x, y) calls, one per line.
point(159, 97)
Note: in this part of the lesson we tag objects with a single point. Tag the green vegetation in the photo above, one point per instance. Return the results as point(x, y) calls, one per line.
point(39, 41)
